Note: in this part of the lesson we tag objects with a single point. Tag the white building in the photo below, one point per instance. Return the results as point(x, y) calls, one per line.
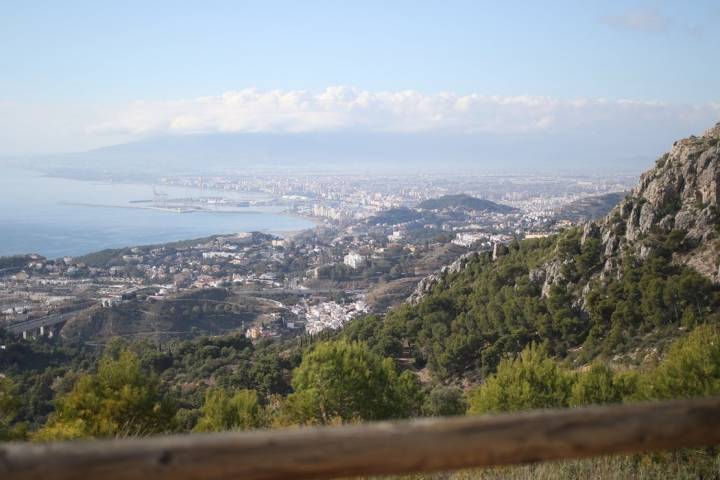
point(354, 260)
point(466, 239)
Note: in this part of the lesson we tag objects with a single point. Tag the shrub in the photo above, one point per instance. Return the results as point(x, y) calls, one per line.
point(9, 407)
point(596, 386)
point(346, 381)
point(119, 400)
point(532, 380)
point(220, 411)
point(691, 367)
point(444, 401)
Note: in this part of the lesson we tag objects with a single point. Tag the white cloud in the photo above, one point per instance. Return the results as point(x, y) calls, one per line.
point(45, 128)
point(345, 108)
point(39, 128)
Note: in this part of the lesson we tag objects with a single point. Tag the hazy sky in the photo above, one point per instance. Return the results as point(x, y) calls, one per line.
point(75, 75)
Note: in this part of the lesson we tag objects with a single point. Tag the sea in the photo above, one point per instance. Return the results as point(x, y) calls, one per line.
point(57, 217)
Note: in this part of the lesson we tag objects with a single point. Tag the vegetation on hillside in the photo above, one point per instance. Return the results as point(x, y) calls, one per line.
point(135, 390)
point(227, 383)
point(394, 216)
point(14, 262)
point(590, 208)
point(491, 309)
point(120, 399)
point(344, 381)
point(464, 202)
point(222, 411)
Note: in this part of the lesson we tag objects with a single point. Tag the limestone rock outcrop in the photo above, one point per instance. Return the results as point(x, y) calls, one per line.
point(680, 194)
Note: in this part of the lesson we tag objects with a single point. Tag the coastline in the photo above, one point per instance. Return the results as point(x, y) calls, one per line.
point(164, 209)
point(289, 234)
point(56, 216)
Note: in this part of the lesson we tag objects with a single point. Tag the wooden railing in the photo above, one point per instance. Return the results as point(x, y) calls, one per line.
point(376, 448)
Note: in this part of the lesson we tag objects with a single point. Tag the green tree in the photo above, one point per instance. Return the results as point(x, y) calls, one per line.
point(444, 401)
point(220, 411)
point(596, 386)
point(345, 381)
point(120, 399)
point(9, 408)
point(691, 367)
point(408, 395)
point(590, 256)
point(532, 380)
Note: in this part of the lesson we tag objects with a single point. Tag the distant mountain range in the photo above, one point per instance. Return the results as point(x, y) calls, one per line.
point(342, 152)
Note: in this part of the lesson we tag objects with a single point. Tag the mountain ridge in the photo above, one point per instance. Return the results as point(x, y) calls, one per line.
point(336, 152)
point(620, 288)
point(679, 195)
point(682, 194)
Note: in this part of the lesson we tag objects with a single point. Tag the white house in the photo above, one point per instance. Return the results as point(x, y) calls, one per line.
point(354, 260)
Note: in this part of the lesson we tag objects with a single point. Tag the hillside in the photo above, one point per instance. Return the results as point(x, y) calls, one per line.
point(395, 216)
point(679, 197)
point(621, 288)
point(439, 209)
point(590, 208)
point(464, 202)
point(209, 311)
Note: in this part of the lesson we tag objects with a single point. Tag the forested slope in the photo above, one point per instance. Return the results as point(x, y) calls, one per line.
point(619, 288)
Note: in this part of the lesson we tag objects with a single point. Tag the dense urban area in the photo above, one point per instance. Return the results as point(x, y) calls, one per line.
point(375, 239)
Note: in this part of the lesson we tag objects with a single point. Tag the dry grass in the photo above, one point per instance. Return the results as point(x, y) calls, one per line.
point(685, 465)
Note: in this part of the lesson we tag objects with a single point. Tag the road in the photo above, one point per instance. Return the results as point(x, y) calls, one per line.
point(36, 323)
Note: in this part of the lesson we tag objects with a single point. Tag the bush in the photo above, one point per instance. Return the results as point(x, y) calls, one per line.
point(345, 381)
point(691, 368)
point(9, 408)
point(119, 400)
point(597, 386)
point(444, 401)
point(532, 380)
point(220, 411)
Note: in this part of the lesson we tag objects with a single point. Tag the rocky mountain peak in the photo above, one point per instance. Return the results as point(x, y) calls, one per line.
point(680, 193)
point(678, 197)
point(713, 132)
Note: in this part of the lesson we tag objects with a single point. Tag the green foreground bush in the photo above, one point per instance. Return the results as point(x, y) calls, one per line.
point(343, 381)
point(533, 380)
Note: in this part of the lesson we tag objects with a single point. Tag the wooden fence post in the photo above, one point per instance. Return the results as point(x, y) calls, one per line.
point(375, 448)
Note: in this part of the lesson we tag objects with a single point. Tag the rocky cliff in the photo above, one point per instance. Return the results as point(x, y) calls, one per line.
point(679, 196)
point(427, 284)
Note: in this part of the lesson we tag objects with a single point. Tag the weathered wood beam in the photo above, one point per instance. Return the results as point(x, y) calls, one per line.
point(376, 448)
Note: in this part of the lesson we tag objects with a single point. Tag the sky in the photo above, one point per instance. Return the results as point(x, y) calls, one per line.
point(76, 75)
